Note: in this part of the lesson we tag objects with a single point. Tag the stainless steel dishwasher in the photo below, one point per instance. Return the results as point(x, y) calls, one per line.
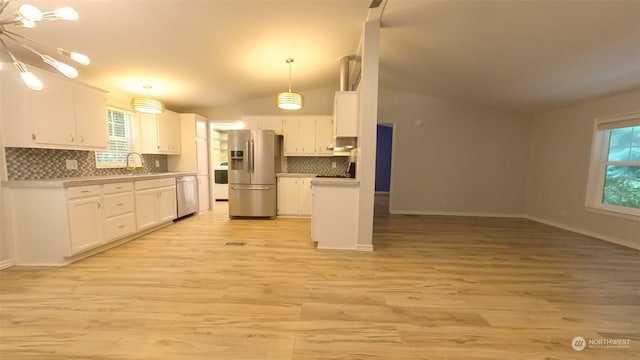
point(187, 195)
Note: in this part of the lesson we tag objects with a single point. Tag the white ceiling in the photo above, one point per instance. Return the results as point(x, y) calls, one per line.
point(520, 55)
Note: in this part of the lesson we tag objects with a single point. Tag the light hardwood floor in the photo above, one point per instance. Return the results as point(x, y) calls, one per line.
point(434, 288)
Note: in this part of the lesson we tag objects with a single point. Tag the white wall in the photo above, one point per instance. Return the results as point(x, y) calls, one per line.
point(454, 158)
point(316, 102)
point(5, 248)
point(559, 165)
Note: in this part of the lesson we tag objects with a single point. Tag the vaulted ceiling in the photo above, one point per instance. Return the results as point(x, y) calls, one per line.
point(519, 55)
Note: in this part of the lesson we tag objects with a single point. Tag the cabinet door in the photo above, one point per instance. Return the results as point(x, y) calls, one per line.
point(202, 126)
point(202, 156)
point(92, 128)
point(167, 209)
point(169, 132)
point(203, 193)
point(85, 223)
point(346, 113)
point(148, 133)
point(291, 131)
point(304, 197)
point(307, 137)
point(50, 111)
point(287, 196)
point(146, 208)
point(324, 135)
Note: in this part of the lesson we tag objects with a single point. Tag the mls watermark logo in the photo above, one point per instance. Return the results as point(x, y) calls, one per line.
point(578, 343)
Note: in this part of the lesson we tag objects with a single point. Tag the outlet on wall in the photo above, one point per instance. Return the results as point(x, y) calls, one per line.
point(72, 164)
point(333, 164)
point(157, 163)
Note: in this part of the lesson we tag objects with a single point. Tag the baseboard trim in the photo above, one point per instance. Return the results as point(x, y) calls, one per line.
point(4, 264)
point(364, 247)
point(453, 213)
point(592, 234)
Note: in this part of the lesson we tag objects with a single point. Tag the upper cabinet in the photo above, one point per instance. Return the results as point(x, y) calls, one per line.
point(264, 122)
point(195, 154)
point(63, 115)
point(307, 136)
point(160, 134)
point(345, 114)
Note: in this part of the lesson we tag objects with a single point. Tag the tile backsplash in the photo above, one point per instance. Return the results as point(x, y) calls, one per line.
point(35, 164)
point(317, 165)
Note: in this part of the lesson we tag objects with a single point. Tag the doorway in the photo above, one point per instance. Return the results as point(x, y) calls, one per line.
point(383, 158)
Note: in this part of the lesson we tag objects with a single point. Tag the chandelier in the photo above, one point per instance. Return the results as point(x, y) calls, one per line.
point(27, 17)
point(289, 100)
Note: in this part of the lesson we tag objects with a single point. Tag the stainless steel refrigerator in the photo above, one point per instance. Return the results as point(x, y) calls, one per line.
point(254, 160)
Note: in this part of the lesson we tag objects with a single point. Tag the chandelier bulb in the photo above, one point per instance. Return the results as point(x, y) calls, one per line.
point(64, 69)
point(30, 12)
point(27, 76)
point(77, 57)
point(65, 13)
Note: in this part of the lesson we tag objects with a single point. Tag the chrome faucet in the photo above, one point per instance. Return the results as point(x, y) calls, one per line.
point(134, 153)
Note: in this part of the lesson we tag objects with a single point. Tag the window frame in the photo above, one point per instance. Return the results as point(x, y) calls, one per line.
point(133, 142)
point(600, 160)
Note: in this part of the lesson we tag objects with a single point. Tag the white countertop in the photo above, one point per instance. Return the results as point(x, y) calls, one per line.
point(328, 181)
point(90, 180)
point(300, 175)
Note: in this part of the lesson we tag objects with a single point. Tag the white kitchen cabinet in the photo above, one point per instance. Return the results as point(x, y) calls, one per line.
point(155, 202)
point(300, 136)
point(194, 155)
point(160, 134)
point(264, 122)
point(345, 114)
point(334, 223)
point(294, 196)
point(55, 225)
point(84, 207)
point(118, 211)
point(323, 135)
point(63, 115)
point(203, 193)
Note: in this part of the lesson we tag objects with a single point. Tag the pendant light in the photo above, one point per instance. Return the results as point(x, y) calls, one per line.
point(289, 100)
point(147, 105)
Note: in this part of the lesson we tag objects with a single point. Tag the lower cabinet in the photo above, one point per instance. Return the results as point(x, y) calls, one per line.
point(85, 223)
point(203, 193)
point(155, 202)
point(56, 225)
point(294, 196)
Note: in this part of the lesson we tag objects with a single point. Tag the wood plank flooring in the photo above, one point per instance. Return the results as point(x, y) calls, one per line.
point(434, 288)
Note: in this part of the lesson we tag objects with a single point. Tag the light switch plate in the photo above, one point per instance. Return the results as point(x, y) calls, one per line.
point(72, 164)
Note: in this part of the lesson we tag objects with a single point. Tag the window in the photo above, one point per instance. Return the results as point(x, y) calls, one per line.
point(122, 128)
point(614, 176)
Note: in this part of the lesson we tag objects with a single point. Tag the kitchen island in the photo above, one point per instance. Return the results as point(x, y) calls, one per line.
point(54, 222)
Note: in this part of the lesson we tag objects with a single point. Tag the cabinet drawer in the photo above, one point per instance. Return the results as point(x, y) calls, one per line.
point(117, 187)
point(119, 226)
point(118, 204)
point(156, 183)
point(75, 192)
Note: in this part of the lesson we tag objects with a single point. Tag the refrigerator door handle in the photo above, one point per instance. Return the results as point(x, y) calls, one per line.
point(252, 156)
point(250, 188)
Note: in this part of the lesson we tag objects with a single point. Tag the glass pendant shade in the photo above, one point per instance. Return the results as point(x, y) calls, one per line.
point(289, 101)
point(147, 105)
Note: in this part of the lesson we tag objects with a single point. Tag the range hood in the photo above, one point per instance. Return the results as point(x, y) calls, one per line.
point(343, 144)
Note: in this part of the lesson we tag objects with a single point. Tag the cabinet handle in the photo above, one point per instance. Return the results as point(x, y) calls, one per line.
point(73, 138)
point(119, 204)
point(121, 227)
point(118, 187)
point(81, 139)
point(84, 191)
point(99, 205)
point(33, 136)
